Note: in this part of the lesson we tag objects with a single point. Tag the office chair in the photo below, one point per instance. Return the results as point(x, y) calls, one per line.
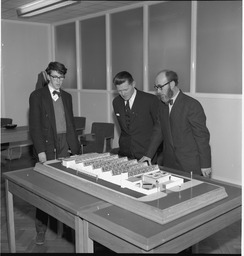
point(100, 138)
point(80, 124)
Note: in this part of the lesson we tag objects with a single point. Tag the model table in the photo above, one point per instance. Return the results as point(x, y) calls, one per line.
point(116, 228)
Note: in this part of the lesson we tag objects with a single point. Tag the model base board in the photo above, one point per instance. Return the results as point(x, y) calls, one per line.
point(148, 191)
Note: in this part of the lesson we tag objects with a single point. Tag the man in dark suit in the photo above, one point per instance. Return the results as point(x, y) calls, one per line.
point(182, 128)
point(136, 112)
point(52, 127)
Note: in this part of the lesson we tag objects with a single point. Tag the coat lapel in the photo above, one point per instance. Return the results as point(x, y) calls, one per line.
point(66, 109)
point(48, 105)
point(122, 113)
point(166, 122)
point(136, 105)
point(177, 104)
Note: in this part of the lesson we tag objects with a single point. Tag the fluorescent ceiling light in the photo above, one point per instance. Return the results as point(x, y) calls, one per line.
point(42, 6)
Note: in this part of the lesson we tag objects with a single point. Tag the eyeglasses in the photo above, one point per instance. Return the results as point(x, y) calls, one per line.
point(159, 86)
point(57, 78)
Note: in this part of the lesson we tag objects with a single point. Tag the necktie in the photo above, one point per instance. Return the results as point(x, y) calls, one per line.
point(127, 106)
point(127, 114)
point(56, 92)
point(169, 102)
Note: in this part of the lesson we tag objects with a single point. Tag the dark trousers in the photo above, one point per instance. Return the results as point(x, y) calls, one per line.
point(42, 217)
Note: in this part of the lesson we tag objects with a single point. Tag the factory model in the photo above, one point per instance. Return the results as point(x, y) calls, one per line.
point(126, 173)
point(143, 189)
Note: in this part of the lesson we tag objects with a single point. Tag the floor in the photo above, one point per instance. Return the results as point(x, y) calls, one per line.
point(226, 241)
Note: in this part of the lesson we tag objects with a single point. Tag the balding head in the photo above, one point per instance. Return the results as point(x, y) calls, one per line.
point(167, 76)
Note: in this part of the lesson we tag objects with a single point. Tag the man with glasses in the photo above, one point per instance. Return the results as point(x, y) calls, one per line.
point(52, 127)
point(181, 126)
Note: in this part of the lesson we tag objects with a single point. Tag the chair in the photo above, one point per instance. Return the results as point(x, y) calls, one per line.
point(100, 138)
point(80, 124)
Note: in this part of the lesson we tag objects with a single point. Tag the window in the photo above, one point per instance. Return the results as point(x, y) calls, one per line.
point(127, 44)
point(219, 47)
point(170, 41)
point(93, 53)
point(65, 52)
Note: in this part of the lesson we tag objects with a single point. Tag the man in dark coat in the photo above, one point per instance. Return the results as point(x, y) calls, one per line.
point(182, 128)
point(52, 127)
point(136, 112)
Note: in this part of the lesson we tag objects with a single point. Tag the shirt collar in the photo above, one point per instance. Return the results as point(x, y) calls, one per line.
point(174, 98)
point(51, 89)
point(132, 98)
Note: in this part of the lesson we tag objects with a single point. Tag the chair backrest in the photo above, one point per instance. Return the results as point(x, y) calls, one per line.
point(101, 131)
point(80, 123)
point(5, 121)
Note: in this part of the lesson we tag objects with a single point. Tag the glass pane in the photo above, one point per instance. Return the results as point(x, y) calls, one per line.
point(93, 53)
point(65, 52)
point(219, 47)
point(127, 44)
point(170, 41)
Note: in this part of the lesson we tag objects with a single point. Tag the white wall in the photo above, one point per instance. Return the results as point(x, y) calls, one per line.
point(25, 52)
point(224, 121)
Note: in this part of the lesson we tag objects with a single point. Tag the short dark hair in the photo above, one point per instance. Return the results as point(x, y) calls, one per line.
point(56, 66)
point(122, 77)
point(171, 76)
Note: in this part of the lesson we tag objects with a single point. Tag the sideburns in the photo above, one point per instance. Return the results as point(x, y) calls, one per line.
point(170, 93)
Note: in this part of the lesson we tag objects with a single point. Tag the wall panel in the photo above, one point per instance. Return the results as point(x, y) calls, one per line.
point(25, 52)
point(224, 121)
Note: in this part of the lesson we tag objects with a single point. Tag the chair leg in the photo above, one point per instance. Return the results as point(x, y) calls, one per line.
point(60, 229)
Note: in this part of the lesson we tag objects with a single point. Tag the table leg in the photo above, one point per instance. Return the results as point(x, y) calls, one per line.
point(88, 243)
point(83, 244)
point(10, 219)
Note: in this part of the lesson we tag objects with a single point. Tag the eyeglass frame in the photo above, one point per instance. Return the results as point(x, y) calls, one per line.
point(161, 86)
point(61, 78)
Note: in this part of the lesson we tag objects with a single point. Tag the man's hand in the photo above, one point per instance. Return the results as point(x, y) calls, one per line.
point(144, 159)
point(206, 172)
point(42, 157)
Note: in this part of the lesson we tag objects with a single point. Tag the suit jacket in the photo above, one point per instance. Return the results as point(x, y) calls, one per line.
point(135, 141)
point(184, 134)
point(42, 122)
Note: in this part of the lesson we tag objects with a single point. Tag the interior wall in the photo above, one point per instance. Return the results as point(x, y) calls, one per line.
point(224, 121)
point(25, 52)
point(94, 106)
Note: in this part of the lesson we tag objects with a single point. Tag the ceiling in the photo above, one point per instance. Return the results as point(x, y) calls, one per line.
point(8, 10)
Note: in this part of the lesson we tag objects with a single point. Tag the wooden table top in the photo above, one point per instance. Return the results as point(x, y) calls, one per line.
point(58, 193)
point(19, 133)
point(129, 226)
point(148, 234)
